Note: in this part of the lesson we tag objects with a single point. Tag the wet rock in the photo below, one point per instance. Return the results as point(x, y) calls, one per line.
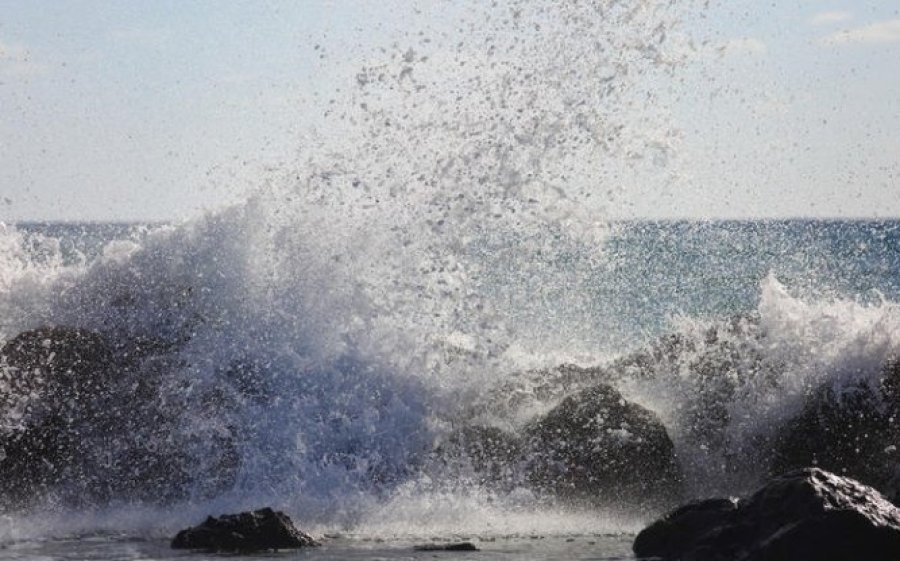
point(596, 447)
point(58, 381)
point(852, 430)
point(710, 368)
point(260, 530)
point(806, 514)
point(461, 546)
point(81, 424)
point(667, 537)
point(492, 453)
point(60, 363)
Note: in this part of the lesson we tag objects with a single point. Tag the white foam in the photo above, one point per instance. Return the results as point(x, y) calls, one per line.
point(438, 236)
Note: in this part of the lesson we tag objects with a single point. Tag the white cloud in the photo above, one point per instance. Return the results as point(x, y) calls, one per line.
point(743, 46)
point(880, 32)
point(828, 18)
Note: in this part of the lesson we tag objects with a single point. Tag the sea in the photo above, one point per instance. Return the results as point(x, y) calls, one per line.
point(350, 406)
point(445, 250)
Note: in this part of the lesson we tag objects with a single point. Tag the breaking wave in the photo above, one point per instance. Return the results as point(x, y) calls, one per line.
point(428, 262)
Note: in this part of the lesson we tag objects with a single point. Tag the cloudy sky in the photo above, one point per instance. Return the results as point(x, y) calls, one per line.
point(156, 110)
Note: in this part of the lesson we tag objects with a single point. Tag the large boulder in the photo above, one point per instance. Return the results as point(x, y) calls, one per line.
point(807, 514)
point(58, 381)
point(709, 369)
point(492, 455)
point(851, 429)
point(533, 389)
point(594, 448)
point(598, 448)
point(83, 424)
point(675, 533)
point(260, 530)
point(61, 364)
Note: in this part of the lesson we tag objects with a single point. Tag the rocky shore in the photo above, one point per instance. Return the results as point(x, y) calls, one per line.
point(808, 514)
point(89, 419)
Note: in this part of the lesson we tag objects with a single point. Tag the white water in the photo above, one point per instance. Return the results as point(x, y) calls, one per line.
point(438, 236)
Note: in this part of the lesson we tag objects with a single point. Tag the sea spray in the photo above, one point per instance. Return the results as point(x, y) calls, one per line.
point(726, 389)
point(444, 235)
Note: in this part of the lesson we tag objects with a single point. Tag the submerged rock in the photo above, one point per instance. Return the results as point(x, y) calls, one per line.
point(807, 514)
point(57, 382)
point(594, 448)
point(260, 530)
point(852, 430)
point(492, 453)
point(598, 448)
point(82, 424)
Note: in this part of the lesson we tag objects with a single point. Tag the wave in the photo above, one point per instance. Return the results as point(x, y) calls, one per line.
point(427, 265)
point(323, 414)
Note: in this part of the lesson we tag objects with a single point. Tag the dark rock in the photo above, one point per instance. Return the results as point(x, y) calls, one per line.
point(597, 447)
point(808, 514)
point(492, 453)
point(534, 387)
point(668, 536)
point(462, 546)
point(60, 363)
point(57, 381)
point(711, 369)
point(852, 430)
point(593, 448)
point(82, 424)
point(260, 530)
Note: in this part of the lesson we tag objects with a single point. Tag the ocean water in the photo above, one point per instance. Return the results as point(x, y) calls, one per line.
point(441, 244)
point(539, 548)
point(338, 441)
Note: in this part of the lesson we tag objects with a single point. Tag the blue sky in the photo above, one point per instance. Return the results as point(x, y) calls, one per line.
point(155, 110)
point(801, 111)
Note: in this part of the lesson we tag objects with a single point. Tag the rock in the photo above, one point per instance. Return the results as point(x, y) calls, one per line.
point(667, 537)
point(544, 385)
point(60, 363)
point(492, 453)
point(58, 381)
point(852, 430)
point(596, 447)
point(83, 425)
point(260, 530)
point(808, 514)
point(709, 368)
point(461, 546)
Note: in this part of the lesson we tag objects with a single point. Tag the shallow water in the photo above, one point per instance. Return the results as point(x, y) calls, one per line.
point(526, 548)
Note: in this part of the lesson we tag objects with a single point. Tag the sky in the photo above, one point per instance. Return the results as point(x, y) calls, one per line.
point(158, 110)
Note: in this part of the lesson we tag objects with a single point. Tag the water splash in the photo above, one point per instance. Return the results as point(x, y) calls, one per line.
point(445, 230)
